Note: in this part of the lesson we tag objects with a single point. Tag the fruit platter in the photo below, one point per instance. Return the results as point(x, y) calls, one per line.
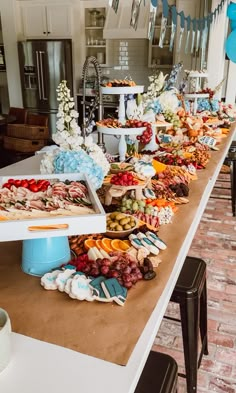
point(55, 205)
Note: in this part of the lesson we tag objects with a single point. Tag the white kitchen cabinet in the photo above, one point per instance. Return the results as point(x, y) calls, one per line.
point(46, 21)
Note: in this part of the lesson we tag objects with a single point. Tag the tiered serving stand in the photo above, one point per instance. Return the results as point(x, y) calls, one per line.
point(198, 79)
point(123, 132)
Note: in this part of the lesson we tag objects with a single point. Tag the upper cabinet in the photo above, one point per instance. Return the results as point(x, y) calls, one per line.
point(46, 21)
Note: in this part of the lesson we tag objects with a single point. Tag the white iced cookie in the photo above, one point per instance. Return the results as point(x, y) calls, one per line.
point(48, 280)
point(80, 289)
point(68, 285)
point(63, 277)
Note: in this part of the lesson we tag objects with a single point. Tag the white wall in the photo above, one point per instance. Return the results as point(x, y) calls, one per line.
point(216, 50)
point(8, 17)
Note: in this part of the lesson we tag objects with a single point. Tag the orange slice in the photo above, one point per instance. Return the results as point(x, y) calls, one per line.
point(88, 243)
point(99, 244)
point(119, 245)
point(127, 242)
point(106, 244)
point(158, 166)
point(124, 246)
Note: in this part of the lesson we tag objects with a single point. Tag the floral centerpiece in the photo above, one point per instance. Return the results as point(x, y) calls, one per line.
point(74, 152)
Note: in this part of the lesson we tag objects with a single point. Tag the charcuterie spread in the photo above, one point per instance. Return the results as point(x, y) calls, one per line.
point(28, 198)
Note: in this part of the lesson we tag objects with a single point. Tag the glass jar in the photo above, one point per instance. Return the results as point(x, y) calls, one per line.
point(101, 20)
point(94, 17)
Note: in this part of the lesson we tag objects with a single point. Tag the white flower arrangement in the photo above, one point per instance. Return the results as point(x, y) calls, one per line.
point(68, 131)
point(157, 83)
point(68, 136)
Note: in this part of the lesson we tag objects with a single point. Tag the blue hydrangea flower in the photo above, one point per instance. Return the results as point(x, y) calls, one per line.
point(203, 105)
point(80, 162)
point(155, 106)
point(214, 105)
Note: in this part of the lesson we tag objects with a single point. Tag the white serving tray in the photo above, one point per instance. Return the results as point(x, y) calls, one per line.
point(74, 225)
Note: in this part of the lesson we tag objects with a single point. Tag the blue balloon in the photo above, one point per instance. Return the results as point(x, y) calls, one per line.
point(230, 46)
point(231, 11)
point(233, 24)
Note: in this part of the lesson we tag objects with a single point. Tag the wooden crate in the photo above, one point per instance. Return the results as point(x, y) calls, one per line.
point(23, 145)
point(26, 131)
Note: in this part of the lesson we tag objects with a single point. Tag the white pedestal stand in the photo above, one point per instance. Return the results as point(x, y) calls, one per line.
point(152, 145)
point(195, 97)
point(121, 91)
point(122, 132)
point(196, 78)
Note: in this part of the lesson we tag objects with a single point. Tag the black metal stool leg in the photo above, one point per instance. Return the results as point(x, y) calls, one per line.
point(233, 186)
point(190, 322)
point(203, 322)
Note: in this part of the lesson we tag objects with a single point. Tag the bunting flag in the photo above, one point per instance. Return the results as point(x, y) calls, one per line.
point(152, 20)
point(165, 14)
point(114, 4)
point(188, 34)
point(181, 33)
point(199, 27)
point(173, 27)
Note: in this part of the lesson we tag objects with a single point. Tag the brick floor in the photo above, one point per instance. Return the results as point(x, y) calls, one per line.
point(215, 242)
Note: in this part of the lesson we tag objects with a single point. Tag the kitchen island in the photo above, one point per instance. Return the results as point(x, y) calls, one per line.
point(39, 366)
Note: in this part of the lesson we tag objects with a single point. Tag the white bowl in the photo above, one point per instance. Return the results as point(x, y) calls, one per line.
point(124, 233)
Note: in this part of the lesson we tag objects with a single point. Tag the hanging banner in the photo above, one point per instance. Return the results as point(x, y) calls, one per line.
point(199, 30)
point(204, 33)
point(194, 28)
point(173, 27)
point(181, 33)
point(164, 20)
point(188, 19)
point(114, 4)
point(151, 24)
point(135, 13)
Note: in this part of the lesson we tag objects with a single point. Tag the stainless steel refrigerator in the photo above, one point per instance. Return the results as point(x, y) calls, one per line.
point(43, 65)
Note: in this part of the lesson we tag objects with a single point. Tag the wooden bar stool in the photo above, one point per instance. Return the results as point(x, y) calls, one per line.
point(159, 375)
point(191, 295)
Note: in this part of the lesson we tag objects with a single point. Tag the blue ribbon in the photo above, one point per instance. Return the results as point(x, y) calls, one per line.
point(174, 14)
point(182, 19)
point(165, 8)
point(188, 20)
point(194, 23)
point(154, 3)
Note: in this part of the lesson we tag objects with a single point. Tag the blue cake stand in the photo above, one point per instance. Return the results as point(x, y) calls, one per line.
point(39, 256)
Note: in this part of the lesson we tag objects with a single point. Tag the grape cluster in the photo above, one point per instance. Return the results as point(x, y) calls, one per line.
point(173, 118)
point(146, 136)
point(209, 91)
point(126, 273)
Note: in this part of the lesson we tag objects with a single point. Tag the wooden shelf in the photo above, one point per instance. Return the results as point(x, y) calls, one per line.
point(161, 66)
point(95, 46)
point(93, 28)
point(164, 46)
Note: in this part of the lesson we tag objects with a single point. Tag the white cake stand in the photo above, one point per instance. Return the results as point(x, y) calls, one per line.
point(195, 97)
point(152, 145)
point(123, 132)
